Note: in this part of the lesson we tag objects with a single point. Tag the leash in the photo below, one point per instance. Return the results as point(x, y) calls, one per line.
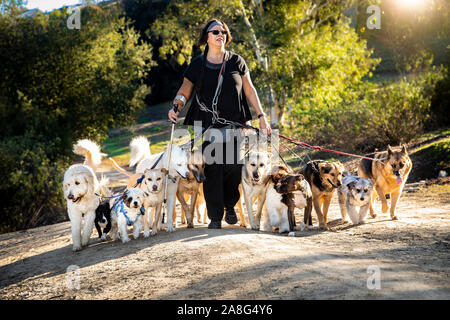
point(124, 212)
point(175, 109)
point(103, 197)
point(139, 180)
point(319, 148)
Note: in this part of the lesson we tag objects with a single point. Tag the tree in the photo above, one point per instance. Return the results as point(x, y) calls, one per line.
point(56, 86)
point(12, 8)
point(411, 37)
point(289, 45)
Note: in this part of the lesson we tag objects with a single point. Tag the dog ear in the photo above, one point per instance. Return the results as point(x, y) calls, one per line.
point(389, 150)
point(324, 167)
point(340, 166)
point(351, 185)
point(404, 149)
point(164, 170)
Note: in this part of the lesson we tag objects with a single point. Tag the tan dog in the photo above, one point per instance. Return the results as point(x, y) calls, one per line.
point(152, 184)
point(255, 177)
point(189, 188)
point(389, 172)
point(324, 178)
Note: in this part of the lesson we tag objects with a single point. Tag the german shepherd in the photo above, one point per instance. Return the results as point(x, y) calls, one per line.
point(324, 178)
point(389, 171)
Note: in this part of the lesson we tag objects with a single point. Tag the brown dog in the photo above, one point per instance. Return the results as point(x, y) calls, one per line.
point(389, 171)
point(190, 188)
point(296, 193)
point(324, 178)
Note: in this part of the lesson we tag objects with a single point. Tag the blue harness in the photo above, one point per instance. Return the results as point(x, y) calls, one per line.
point(119, 207)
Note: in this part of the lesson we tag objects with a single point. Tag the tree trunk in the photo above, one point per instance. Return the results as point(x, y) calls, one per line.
point(262, 60)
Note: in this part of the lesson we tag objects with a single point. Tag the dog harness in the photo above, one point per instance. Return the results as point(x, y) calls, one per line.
point(119, 207)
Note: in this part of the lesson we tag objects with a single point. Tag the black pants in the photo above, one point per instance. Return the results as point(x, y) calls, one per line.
point(222, 183)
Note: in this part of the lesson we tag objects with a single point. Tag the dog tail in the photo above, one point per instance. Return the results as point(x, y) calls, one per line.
point(119, 168)
point(90, 151)
point(103, 186)
point(139, 150)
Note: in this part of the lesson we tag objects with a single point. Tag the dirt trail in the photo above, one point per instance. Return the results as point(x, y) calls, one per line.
point(412, 255)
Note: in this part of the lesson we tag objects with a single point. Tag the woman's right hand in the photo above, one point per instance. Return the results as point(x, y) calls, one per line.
point(173, 116)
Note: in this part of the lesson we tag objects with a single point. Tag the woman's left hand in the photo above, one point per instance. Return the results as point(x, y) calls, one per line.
point(264, 125)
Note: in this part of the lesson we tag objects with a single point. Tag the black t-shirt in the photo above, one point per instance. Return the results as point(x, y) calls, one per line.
point(232, 104)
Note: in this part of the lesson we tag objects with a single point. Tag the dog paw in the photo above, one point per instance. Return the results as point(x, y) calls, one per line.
point(254, 226)
point(154, 232)
point(125, 240)
point(373, 215)
point(394, 217)
point(190, 225)
point(362, 222)
point(146, 234)
point(103, 237)
point(170, 228)
point(76, 248)
point(291, 234)
point(323, 227)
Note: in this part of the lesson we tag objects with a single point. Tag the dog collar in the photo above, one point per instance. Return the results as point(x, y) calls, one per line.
point(332, 184)
point(120, 208)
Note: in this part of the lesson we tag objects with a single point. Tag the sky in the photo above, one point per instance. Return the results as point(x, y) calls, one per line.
point(49, 5)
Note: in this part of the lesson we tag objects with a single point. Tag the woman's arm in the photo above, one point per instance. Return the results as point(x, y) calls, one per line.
point(252, 97)
point(185, 90)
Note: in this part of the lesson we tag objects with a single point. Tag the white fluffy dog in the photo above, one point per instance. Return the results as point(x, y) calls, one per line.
point(80, 185)
point(178, 168)
point(127, 211)
point(355, 192)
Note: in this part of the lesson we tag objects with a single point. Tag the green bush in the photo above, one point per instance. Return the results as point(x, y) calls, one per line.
point(57, 86)
point(31, 184)
point(372, 115)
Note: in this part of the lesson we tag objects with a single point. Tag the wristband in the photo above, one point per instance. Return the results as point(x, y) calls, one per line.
point(261, 115)
point(181, 97)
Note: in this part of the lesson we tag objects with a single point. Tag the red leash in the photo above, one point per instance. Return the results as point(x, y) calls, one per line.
point(318, 148)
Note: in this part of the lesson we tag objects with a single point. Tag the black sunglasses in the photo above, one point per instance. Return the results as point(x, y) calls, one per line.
point(216, 32)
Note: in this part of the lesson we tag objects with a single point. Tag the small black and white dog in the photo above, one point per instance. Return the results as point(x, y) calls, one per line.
point(103, 219)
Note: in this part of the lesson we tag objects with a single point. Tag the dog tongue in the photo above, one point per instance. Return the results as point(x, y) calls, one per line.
point(399, 180)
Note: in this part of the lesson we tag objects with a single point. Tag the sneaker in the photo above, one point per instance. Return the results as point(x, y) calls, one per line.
point(215, 225)
point(230, 216)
